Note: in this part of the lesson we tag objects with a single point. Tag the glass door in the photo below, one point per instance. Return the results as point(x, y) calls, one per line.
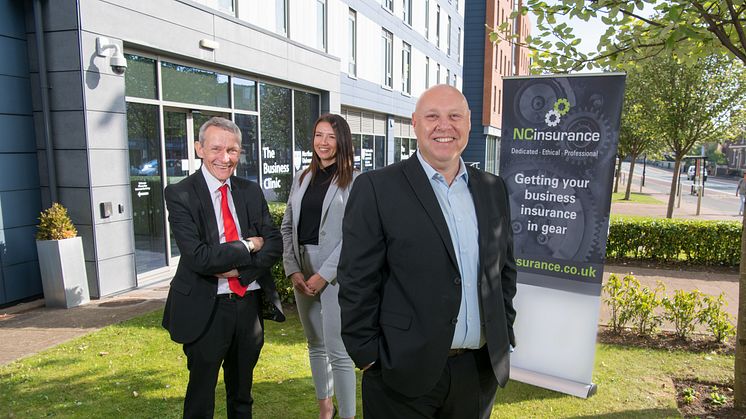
point(146, 186)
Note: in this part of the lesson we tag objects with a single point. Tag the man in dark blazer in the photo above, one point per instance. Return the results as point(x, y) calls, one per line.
point(427, 275)
point(214, 307)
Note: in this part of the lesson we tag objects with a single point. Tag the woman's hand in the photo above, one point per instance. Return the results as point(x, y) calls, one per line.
point(299, 283)
point(316, 283)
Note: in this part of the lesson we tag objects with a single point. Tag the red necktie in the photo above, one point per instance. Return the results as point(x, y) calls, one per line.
point(230, 235)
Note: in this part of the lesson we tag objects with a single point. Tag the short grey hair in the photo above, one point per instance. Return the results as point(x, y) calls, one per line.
point(222, 123)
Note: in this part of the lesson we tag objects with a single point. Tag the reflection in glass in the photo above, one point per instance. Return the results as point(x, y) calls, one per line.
point(177, 155)
point(305, 112)
point(276, 152)
point(397, 149)
point(146, 186)
point(380, 146)
point(356, 139)
point(248, 163)
point(366, 154)
point(194, 85)
point(139, 80)
point(244, 94)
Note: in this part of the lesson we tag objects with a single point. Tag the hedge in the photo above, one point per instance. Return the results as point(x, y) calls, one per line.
point(675, 240)
point(653, 239)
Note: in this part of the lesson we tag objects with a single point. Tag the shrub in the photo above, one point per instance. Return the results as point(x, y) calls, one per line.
point(683, 311)
point(716, 319)
point(283, 284)
point(55, 224)
point(643, 303)
point(618, 292)
point(674, 240)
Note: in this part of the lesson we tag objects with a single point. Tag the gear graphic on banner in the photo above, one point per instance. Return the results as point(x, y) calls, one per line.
point(560, 108)
point(553, 118)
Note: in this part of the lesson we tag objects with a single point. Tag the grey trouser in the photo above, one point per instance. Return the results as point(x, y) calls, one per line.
point(331, 367)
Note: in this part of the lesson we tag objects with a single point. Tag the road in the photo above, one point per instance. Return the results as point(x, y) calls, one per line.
point(719, 193)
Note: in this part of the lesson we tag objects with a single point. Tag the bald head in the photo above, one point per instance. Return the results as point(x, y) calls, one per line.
point(440, 90)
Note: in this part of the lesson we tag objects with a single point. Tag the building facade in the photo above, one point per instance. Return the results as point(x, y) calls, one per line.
point(116, 139)
point(485, 65)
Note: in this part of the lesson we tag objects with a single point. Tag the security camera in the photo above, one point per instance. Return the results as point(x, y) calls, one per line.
point(118, 64)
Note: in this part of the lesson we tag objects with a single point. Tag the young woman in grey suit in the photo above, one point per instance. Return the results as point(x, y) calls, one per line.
point(312, 238)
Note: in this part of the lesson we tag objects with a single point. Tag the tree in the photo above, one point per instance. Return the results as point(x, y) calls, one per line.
point(692, 103)
point(637, 28)
point(637, 133)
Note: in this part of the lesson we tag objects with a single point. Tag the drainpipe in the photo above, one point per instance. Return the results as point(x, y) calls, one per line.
point(44, 88)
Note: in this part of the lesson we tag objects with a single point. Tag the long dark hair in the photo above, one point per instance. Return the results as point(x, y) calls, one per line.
point(345, 151)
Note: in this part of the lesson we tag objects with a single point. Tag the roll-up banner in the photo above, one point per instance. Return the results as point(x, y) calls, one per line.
point(558, 148)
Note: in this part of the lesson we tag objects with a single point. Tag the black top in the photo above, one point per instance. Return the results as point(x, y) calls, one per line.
point(310, 206)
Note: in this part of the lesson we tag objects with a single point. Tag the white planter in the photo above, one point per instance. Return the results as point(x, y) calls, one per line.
point(63, 275)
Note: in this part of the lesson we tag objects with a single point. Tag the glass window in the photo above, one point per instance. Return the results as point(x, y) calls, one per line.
point(248, 163)
point(321, 24)
point(352, 46)
point(356, 140)
point(407, 11)
point(406, 67)
point(380, 150)
point(194, 85)
point(437, 73)
point(397, 149)
point(437, 25)
point(459, 44)
point(448, 76)
point(427, 72)
point(367, 153)
point(146, 186)
point(388, 57)
point(281, 16)
point(389, 4)
point(276, 135)
point(305, 113)
point(427, 19)
point(244, 94)
point(448, 36)
point(139, 80)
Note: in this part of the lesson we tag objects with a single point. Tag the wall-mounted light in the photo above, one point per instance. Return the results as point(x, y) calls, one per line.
point(117, 62)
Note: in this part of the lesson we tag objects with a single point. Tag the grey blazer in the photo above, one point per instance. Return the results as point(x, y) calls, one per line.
point(330, 230)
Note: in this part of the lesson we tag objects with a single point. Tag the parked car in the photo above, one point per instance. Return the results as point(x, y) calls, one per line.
point(691, 172)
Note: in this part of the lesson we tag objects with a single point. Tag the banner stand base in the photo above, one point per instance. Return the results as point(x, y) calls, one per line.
point(562, 385)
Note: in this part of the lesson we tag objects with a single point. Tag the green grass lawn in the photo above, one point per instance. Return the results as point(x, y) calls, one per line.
point(133, 370)
point(635, 198)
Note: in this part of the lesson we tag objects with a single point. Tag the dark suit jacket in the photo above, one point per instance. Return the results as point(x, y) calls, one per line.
point(195, 229)
point(400, 286)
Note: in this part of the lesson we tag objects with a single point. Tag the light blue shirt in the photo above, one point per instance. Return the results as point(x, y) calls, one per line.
point(458, 209)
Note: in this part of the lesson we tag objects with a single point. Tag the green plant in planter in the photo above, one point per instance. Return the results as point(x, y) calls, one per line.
point(55, 224)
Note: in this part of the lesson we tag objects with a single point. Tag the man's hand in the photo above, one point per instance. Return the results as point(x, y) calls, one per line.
point(299, 283)
point(257, 241)
point(233, 273)
point(316, 283)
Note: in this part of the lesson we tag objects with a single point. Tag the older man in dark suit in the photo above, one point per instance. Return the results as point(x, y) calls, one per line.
point(228, 242)
point(427, 275)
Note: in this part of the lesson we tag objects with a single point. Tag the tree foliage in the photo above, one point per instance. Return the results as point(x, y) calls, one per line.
point(639, 28)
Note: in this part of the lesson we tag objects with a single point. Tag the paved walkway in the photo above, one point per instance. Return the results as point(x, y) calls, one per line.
point(28, 328)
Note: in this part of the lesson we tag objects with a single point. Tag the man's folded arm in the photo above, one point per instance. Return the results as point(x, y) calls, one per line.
point(200, 256)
